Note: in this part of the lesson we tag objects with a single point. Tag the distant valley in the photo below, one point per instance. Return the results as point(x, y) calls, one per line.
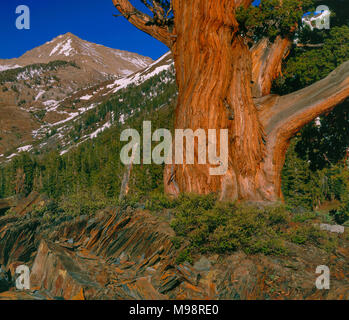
point(44, 93)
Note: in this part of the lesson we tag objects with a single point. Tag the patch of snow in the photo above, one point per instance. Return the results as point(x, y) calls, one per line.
point(140, 77)
point(140, 62)
point(29, 74)
point(39, 94)
point(87, 97)
point(64, 152)
point(83, 109)
point(318, 122)
point(12, 155)
point(8, 67)
point(64, 48)
point(98, 131)
point(70, 117)
point(25, 148)
point(52, 104)
point(49, 102)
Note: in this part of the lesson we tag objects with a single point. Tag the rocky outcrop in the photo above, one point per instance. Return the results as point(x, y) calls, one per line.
point(18, 239)
point(58, 272)
point(128, 254)
point(27, 204)
point(21, 205)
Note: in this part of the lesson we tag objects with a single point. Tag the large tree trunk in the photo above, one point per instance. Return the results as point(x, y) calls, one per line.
point(225, 85)
point(215, 92)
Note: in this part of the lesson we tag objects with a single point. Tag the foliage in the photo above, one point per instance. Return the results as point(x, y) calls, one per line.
point(161, 11)
point(12, 74)
point(306, 189)
point(204, 225)
point(307, 66)
point(341, 215)
point(158, 201)
point(95, 164)
point(88, 177)
point(84, 202)
point(271, 19)
point(325, 143)
point(315, 170)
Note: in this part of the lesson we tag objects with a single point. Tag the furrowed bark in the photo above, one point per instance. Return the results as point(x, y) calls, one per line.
point(214, 83)
point(267, 60)
point(222, 84)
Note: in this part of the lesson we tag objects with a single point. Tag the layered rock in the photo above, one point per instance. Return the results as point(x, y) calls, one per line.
point(128, 254)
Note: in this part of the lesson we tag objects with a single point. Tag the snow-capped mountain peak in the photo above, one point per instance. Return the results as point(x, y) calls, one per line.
point(106, 61)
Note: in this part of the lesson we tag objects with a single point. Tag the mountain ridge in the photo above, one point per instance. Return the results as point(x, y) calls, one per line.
point(54, 83)
point(70, 47)
point(48, 118)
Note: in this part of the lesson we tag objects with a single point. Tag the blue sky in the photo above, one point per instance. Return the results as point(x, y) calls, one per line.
point(90, 20)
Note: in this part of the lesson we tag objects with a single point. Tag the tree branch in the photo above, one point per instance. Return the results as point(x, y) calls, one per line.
point(282, 117)
point(144, 22)
point(309, 45)
point(266, 64)
point(286, 115)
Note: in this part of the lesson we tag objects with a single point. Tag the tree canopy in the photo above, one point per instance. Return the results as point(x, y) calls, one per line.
point(272, 18)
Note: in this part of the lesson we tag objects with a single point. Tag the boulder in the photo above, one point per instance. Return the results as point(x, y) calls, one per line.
point(57, 270)
point(203, 264)
point(332, 228)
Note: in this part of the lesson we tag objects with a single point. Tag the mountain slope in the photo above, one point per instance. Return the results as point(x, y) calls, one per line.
point(42, 87)
point(54, 119)
point(89, 56)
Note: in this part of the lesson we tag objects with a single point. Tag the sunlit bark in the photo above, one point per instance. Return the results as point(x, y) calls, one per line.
point(224, 84)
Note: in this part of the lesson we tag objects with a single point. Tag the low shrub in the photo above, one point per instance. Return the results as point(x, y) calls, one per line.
point(204, 225)
point(341, 215)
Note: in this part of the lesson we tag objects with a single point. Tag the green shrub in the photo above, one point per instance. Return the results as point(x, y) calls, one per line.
point(210, 226)
point(159, 201)
point(85, 202)
point(184, 256)
point(303, 217)
point(216, 227)
point(341, 215)
point(21, 102)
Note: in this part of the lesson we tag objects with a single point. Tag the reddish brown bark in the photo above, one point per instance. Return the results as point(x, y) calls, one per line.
point(222, 84)
point(267, 62)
